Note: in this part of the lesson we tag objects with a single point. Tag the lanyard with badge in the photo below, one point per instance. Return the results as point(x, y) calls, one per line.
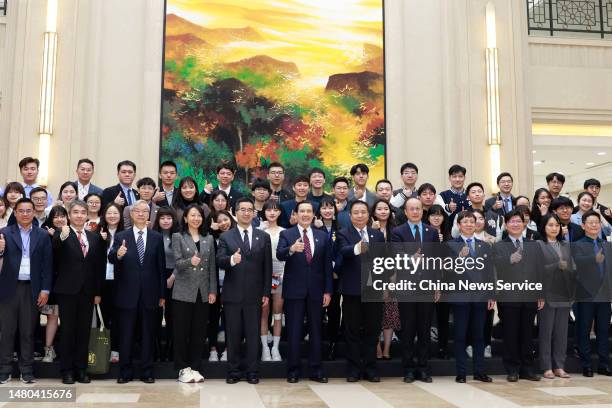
point(25, 251)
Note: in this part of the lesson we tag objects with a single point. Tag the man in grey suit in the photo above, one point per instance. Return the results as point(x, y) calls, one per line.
point(85, 172)
point(360, 173)
point(245, 254)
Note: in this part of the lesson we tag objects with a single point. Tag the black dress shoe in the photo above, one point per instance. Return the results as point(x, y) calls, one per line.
point(529, 376)
point(292, 379)
point(425, 377)
point(587, 372)
point(512, 377)
point(147, 380)
point(83, 378)
point(483, 378)
point(319, 378)
point(331, 352)
point(372, 377)
point(123, 380)
point(353, 377)
point(232, 380)
point(67, 378)
point(409, 377)
point(252, 379)
point(604, 371)
point(460, 379)
point(443, 354)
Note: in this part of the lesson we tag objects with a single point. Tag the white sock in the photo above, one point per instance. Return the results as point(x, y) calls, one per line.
point(276, 342)
point(264, 340)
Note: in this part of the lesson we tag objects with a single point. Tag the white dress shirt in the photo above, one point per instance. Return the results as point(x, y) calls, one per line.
point(357, 248)
point(83, 190)
point(144, 236)
point(310, 236)
point(83, 237)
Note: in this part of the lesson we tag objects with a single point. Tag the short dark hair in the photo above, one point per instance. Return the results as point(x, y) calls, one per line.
point(67, 184)
point(585, 216)
point(244, 200)
point(465, 214)
point(146, 181)
point(456, 168)
point(358, 202)
point(297, 207)
point(514, 213)
point(168, 163)
point(542, 227)
point(86, 161)
point(301, 179)
point(126, 163)
point(276, 164)
point(381, 181)
point(315, 170)
point(14, 186)
point(409, 166)
point(226, 165)
point(77, 203)
point(591, 182)
point(424, 187)
point(39, 190)
point(585, 193)
point(27, 160)
point(261, 183)
point(163, 211)
point(504, 174)
point(556, 175)
point(523, 209)
point(474, 184)
point(561, 202)
point(24, 200)
point(199, 209)
point(360, 167)
point(340, 179)
point(88, 196)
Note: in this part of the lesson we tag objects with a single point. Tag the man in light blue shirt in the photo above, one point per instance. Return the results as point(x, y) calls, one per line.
point(28, 167)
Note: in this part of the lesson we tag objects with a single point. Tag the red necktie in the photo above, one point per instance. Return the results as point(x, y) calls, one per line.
point(307, 250)
point(83, 246)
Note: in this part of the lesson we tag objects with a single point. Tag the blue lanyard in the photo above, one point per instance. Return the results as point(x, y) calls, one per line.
point(25, 245)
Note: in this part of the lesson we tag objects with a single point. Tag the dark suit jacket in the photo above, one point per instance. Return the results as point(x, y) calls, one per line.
point(110, 193)
point(350, 273)
point(251, 279)
point(164, 202)
point(41, 262)
point(560, 285)
point(370, 197)
point(490, 202)
point(287, 207)
point(473, 275)
point(233, 196)
point(93, 189)
point(300, 279)
point(591, 286)
point(575, 232)
point(134, 282)
point(76, 272)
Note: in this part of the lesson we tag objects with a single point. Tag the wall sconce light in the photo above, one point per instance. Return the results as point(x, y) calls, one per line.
point(493, 116)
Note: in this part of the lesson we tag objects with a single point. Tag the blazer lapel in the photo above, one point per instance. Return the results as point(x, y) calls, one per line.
point(190, 243)
point(16, 234)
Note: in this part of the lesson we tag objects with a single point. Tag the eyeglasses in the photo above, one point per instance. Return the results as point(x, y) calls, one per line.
point(93, 203)
point(24, 212)
point(39, 199)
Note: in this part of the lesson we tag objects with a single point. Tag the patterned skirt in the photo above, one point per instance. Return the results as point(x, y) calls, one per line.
point(391, 317)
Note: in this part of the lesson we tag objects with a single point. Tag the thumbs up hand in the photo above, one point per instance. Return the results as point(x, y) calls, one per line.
point(119, 200)
point(122, 250)
point(318, 222)
point(599, 258)
point(452, 206)
point(195, 260)
point(464, 251)
point(2, 243)
point(298, 246)
point(208, 187)
point(237, 258)
point(159, 195)
point(65, 232)
point(498, 203)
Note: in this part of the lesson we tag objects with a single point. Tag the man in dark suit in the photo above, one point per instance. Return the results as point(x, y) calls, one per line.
point(593, 186)
point(301, 188)
point(276, 176)
point(415, 317)
point(517, 259)
point(122, 194)
point(81, 268)
point(307, 288)
point(168, 192)
point(501, 203)
point(225, 176)
point(85, 172)
point(360, 174)
point(563, 207)
point(245, 254)
point(352, 243)
point(140, 264)
point(25, 281)
point(470, 308)
point(591, 254)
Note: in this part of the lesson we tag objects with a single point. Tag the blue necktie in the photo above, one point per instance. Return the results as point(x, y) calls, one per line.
point(140, 247)
point(128, 196)
point(471, 247)
point(600, 266)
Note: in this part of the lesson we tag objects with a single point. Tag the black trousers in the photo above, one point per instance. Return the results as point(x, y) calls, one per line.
point(242, 321)
point(442, 319)
point(190, 321)
point(75, 312)
point(295, 311)
point(517, 323)
point(415, 319)
point(109, 313)
point(362, 326)
point(130, 322)
point(334, 315)
point(215, 317)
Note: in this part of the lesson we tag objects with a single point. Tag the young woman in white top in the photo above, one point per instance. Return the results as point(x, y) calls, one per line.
point(272, 212)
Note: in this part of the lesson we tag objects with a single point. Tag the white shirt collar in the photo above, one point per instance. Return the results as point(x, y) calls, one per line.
point(463, 237)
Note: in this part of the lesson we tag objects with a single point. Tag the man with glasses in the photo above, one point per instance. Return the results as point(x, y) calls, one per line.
point(245, 253)
point(410, 175)
point(276, 175)
point(501, 203)
point(25, 282)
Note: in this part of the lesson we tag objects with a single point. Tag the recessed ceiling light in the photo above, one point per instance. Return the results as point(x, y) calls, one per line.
point(537, 162)
point(601, 153)
point(533, 151)
point(589, 163)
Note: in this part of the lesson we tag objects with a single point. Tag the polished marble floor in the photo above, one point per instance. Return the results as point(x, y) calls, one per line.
point(391, 392)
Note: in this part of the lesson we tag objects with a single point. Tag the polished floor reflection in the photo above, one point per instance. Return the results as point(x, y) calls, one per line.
point(391, 392)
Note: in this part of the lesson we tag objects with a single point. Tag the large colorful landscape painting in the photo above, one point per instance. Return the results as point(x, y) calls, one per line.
point(295, 81)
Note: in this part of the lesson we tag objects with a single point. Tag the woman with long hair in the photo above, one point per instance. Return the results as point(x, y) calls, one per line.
point(188, 193)
point(540, 205)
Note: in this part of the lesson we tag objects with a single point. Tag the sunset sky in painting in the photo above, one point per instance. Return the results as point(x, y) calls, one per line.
point(323, 37)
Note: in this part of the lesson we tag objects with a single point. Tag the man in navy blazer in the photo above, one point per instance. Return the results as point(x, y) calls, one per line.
point(307, 288)
point(122, 194)
point(25, 281)
point(140, 263)
point(85, 171)
point(352, 243)
point(415, 317)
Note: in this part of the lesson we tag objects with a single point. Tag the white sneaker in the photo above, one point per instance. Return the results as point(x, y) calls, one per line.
point(487, 352)
point(186, 376)
point(265, 354)
point(197, 376)
point(5, 378)
point(223, 356)
point(114, 358)
point(221, 337)
point(49, 355)
point(270, 338)
point(213, 356)
point(276, 356)
point(468, 350)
